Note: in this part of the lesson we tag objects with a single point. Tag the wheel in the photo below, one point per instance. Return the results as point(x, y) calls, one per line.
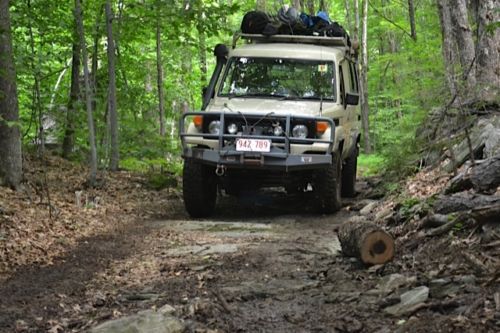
point(199, 189)
point(328, 187)
point(349, 174)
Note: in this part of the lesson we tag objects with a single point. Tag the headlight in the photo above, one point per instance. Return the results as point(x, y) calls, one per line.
point(232, 128)
point(278, 131)
point(214, 127)
point(300, 131)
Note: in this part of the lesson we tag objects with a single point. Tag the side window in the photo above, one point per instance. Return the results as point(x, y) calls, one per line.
point(342, 85)
point(354, 77)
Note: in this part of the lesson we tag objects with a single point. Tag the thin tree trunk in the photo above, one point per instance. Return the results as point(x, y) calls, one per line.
point(113, 114)
point(448, 47)
point(74, 96)
point(347, 4)
point(95, 58)
point(310, 7)
point(202, 53)
point(488, 50)
point(37, 105)
point(159, 69)
point(260, 5)
point(364, 81)
point(411, 14)
point(356, 20)
point(88, 95)
point(296, 5)
point(465, 43)
point(118, 32)
point(10, 136)
point(323, 5)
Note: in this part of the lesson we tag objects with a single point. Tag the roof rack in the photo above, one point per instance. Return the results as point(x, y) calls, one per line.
point(317, 40)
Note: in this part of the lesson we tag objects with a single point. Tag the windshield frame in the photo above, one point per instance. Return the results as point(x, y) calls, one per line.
point(232, 59)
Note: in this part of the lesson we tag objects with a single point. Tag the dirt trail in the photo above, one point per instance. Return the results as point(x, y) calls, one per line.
point(259, 265)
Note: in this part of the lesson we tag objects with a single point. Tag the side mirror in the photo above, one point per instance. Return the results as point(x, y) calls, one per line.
point(351, 99)
point(221, 52)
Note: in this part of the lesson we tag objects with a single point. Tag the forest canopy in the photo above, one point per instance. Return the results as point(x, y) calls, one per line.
point(419, 55)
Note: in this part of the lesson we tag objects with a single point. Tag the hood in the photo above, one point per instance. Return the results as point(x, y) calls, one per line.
point(260, 105)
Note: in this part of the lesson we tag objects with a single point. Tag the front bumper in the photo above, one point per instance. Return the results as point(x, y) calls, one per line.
point(224, 152)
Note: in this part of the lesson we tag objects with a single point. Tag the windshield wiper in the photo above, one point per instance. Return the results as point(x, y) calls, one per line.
point(249, 95)
point(290, 98)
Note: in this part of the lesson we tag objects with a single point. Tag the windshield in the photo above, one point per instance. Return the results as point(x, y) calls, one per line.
point(279, 78)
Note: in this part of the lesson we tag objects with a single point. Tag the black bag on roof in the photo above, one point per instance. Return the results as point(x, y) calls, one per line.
point(254, 22)
point(333, 30)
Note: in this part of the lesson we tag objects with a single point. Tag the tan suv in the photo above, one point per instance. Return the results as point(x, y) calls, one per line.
point(279, 111)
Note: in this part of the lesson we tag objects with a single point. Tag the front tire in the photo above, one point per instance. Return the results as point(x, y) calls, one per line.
point(349, 174)
point(328, 187)
point(199, 189)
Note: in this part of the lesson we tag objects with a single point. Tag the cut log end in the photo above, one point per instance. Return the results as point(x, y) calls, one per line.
point(366, 241)
point(377, 248)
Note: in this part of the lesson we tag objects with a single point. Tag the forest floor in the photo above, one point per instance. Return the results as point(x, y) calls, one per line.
point(263, 263)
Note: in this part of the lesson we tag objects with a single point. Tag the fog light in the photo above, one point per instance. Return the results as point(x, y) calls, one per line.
point(300, 131)
point(278, 131)
point(214, 127)
point(232, 128)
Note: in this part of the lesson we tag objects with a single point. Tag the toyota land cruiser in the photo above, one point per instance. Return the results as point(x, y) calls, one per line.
point(278, 111)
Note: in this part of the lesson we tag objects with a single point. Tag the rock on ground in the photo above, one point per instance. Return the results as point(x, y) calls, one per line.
point(148, 321)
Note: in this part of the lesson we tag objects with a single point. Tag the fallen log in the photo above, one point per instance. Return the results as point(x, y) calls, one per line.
point(484, 177)
point(478, 216)
point(462, 202)
point(367, 242)
point(486, 214)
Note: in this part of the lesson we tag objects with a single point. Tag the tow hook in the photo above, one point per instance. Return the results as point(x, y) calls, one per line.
point(221, 170)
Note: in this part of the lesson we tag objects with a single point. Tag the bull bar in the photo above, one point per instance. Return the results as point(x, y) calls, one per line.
point(277, 158)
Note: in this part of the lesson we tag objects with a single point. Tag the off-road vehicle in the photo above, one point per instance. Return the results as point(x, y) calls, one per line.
point(279, 111)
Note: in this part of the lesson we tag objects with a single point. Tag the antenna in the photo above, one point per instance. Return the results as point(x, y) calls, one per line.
point(321, 106)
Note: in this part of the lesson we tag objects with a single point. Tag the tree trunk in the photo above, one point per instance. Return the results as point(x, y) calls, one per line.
point(488, 50)
point(10, 136)
point(411, 14)
point(310, 7)
point(159, 69)
point(74, 96)
point(356, 20)
point(323, 6)
point(260, 5)
point(202, 53)
point(95, 57)
point(88, 95)
point(37, 105)
point(296, 5)
point(347, 6)
point(448, 46)
point(465, 44)
point(364, 81)
point(113, 114)
point(366, 241)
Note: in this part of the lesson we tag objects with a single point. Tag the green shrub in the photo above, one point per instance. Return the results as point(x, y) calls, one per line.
point(370, 165)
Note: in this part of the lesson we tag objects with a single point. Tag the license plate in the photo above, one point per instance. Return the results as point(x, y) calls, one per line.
point(257, 145)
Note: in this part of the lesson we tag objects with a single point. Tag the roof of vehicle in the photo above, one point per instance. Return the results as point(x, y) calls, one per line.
point(288, 50)
point(292, 46)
